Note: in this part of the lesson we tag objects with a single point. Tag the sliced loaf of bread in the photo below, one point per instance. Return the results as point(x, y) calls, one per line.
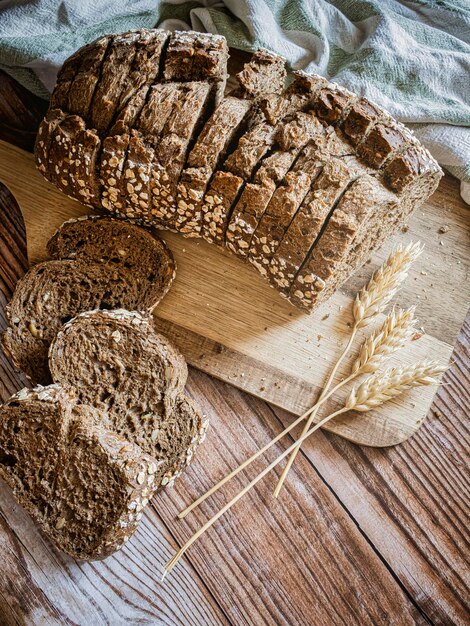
point(120, 364)
point(170, 150)
point(85, 485)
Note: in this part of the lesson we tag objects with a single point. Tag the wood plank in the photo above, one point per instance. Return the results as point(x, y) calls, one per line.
point(283, 353)
point(412, 501)
point(274, 587)
point(295, 561)
point(42, 586)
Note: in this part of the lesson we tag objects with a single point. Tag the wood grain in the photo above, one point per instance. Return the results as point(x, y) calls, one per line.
point(256, 340)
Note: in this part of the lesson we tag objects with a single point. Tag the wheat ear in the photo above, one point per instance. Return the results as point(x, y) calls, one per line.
point(369, 302)
point(374, 391)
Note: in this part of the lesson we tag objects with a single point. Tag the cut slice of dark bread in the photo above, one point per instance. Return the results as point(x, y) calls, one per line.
point(122, 244)
point(128, 155)
point(307, 223)
point(53, 292)
point(114, 71)
point(254, 200)
point(84, 485)
point(253, 146)
point(196, 56)
point(324, 145)
point(85, 82)
point(120, 364)
point(84, 62)
point(210, 146)
point(358, 204)
point(361, 116)
point(265, 73)
point(183, 124)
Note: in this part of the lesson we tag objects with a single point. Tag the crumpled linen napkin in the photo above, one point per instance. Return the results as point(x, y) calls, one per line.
point(412, 58)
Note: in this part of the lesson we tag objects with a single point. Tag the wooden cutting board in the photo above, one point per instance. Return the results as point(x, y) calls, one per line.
point(229, 323)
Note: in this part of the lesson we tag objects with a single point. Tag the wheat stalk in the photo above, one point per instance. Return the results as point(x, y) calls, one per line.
point(397, 265)
point(373, 392)
point(396, 329)
point(369, 302)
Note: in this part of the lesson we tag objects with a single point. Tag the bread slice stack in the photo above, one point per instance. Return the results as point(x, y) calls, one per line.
point(303, 181)
point(85, 454)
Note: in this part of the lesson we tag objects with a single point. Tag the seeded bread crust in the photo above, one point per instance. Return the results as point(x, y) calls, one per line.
point(148, 405)
point(254, 200)
point(88, 514)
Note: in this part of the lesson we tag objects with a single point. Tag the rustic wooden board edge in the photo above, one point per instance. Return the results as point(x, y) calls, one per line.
point(208, 356)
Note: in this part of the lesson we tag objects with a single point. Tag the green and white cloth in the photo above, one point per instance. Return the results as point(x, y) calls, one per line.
point(413, 58)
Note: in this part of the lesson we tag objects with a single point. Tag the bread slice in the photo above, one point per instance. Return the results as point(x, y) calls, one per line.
point(120, 364)
point(361, 116)
point(121, 244)
point(183, 124)
point(364, 197)
point(289, 196)
point(306, 225)
point(53, 292)
point(114, 71)
point(194, 56)
point(83, 484)
point(144, 69)
point(383, 142)
point(253, 146)
point(210, 146)
point(78, 76)
point(333, 103)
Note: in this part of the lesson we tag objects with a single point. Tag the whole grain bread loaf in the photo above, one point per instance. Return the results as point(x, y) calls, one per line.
point(98, 262)
point(85, 485)
point(120, 364)
point(165, 146)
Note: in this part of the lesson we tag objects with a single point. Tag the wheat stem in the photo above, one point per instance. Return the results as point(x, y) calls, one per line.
point(173, 561)
point(369, 302)
point(323, 396)
point(373, 392)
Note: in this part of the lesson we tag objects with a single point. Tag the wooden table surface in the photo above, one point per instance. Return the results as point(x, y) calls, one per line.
point(358, 536)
